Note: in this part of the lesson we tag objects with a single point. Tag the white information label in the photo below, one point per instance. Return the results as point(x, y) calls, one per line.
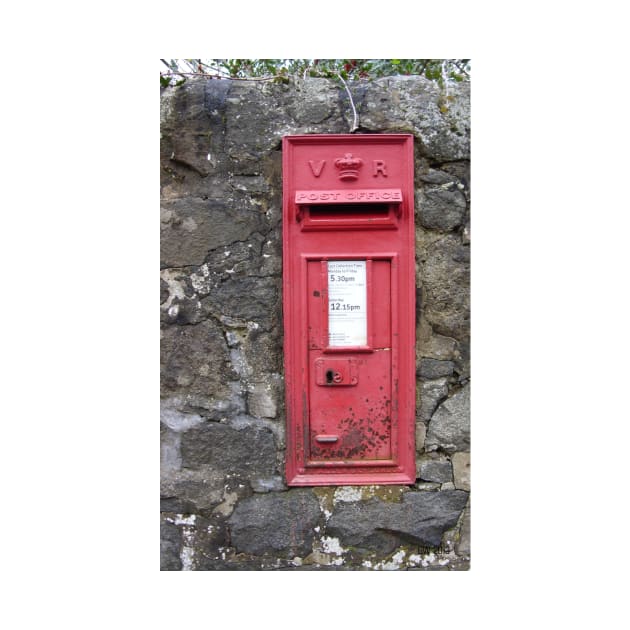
point(347, 303)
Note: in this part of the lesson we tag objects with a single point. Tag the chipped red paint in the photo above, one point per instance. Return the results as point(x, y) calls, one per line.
point(350, 408)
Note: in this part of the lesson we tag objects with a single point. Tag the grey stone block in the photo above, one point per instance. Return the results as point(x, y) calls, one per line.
point(170, 546)
point(431, 393)
point(434, 368)
point(435, 469)
point(247, 299)
point(192, 490)
point(461, 470)
point(441, 207)
point(420, 518)
point(194, 360)
point(246, 451)
point(449, 428)
point(275, 523)
point(463, 545)
point(193, 227)
point(446, 287)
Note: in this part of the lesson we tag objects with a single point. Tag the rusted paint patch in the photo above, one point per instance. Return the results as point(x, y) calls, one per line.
point(359, 438)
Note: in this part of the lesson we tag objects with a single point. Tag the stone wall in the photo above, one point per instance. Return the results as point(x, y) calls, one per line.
point(224, 500)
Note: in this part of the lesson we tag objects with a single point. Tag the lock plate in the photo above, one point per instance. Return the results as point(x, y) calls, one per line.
point(336, 372)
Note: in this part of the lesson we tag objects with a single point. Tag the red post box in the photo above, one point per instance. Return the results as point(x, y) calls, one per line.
point(349, 309)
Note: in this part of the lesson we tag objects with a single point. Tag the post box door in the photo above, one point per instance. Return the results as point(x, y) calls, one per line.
point(350, 361)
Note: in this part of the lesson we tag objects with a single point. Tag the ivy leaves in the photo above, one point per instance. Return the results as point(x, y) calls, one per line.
point(439, 70)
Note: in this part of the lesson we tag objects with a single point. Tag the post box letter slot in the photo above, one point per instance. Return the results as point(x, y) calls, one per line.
point(349, 211)
point(349, 216)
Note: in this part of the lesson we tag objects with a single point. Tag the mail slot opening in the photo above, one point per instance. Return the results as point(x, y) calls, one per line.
point(348, 211)
point(348, 216)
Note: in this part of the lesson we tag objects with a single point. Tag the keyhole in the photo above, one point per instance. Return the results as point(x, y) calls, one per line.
point(329, 376)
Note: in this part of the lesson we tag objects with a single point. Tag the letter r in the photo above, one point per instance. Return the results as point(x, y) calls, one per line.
point(379, 167)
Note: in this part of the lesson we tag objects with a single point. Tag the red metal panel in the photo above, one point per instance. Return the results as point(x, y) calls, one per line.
point(349, 309)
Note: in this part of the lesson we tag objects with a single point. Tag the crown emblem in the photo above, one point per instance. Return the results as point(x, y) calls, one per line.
point(348, 166)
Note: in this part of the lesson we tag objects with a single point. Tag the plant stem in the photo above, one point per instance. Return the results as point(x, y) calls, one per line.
point(355, 125)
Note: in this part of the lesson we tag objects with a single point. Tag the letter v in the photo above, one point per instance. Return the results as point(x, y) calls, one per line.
point(317, 167)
